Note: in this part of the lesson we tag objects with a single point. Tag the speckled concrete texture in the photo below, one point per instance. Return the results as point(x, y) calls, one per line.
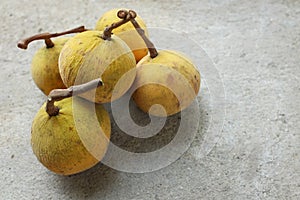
point(255, 48)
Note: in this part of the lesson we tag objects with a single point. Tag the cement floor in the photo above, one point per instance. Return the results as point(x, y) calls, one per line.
point(247, 144)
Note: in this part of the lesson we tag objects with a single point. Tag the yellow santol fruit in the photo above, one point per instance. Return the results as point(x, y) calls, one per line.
point(169, 80)
point(44, 65)
point(93, 54)
point(126, 32)
point(70, 136)
point(87, 56)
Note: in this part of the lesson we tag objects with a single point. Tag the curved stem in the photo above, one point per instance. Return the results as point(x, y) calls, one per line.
point(123, 14)
point(152, 50)
point(23, 44)
point(60, 94)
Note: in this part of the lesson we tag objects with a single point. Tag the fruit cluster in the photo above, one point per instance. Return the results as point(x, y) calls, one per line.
point(70, 135)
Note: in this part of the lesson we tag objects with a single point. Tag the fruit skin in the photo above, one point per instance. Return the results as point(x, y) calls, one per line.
point(87, 56)
point(126, 32)
point(44, 67)
point(169, 71)
point(71, 141)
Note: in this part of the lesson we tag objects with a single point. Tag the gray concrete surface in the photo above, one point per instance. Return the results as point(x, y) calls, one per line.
point(255, 48)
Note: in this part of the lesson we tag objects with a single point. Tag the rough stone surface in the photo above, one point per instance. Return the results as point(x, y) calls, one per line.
point(255, 47)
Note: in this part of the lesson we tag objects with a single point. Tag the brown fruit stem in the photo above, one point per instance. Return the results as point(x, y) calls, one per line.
point(60, 94)
point(123, 14)
point(152, 50)
point(23, 44)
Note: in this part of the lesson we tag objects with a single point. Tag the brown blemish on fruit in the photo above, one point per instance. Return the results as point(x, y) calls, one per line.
point(170, 79)
point(178, 104)
point(78, 142)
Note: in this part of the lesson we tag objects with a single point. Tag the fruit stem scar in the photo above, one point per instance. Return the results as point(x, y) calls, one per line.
point(60, 94)
point(23, 43)
point(124, 15)
point(152, 50)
